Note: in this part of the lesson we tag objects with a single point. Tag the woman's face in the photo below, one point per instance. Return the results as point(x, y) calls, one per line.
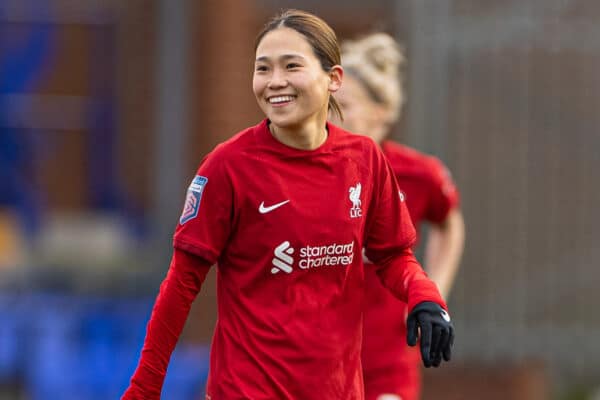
point(362, 114)
point(289, 83)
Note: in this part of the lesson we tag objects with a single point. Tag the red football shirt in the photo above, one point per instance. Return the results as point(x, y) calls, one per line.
point(390, 366)
point(286, 228)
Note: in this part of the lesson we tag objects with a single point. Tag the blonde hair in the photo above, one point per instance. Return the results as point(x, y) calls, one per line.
point(375, 61)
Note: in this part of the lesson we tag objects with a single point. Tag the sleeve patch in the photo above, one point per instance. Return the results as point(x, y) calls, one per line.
point(193, 198)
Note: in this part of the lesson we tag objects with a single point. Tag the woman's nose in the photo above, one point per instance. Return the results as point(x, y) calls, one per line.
point(278, 79)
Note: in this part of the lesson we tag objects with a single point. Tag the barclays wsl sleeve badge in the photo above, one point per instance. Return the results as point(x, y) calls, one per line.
point(193, 198)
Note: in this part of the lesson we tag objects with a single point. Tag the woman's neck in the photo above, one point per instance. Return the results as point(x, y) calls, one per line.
point(306, 137)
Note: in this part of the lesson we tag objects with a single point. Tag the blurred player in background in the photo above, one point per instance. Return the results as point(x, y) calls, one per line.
point(371, 99)
point(285, 208)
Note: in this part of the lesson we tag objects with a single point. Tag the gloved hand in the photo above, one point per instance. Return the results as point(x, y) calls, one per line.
point(437, 332)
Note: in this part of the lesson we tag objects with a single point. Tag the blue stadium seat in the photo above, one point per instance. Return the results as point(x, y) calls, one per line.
point(187, 373)
point(87, 349)
point(10, 338)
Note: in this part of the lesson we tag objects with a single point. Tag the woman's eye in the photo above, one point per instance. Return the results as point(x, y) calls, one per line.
point(261, 68)
point(293, 65)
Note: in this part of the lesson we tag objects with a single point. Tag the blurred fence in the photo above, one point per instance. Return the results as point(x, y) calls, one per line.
point(515, 96)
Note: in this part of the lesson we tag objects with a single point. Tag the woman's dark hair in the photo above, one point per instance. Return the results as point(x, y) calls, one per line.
point(319, 35)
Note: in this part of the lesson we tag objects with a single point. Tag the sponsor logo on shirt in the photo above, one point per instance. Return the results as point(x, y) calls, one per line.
point(354, 195)
point(283, 260)
point(193, 198)
point(310, 257)
point(329, 255)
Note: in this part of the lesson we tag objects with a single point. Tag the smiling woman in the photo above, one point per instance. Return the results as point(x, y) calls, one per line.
point(322, 195)
point(293, 85)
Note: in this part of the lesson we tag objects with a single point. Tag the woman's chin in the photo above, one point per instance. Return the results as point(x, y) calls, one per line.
point(283, 122)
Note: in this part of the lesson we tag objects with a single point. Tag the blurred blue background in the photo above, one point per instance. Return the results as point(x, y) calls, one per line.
point(107, 106)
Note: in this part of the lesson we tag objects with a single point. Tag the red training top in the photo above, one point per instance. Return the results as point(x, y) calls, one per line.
point(286, 228)
point(390, 365)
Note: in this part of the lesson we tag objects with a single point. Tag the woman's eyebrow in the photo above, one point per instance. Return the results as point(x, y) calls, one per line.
point(282, 57)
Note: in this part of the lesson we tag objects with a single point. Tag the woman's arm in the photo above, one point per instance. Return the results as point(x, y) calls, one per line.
point(444, 249)
point(428, 317)
point(402, 274)
point(177, 292)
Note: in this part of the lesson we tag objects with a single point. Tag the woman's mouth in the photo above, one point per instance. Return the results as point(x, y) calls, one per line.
point(280, 100)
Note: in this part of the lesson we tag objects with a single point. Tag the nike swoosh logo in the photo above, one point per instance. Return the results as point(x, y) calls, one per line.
point(445, 315)
point(263, 210)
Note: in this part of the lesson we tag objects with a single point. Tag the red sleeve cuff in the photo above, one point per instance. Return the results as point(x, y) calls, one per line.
point(424, 290)
point(405, 278)
point(196, 249)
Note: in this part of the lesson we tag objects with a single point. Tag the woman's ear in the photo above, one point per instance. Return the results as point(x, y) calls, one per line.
point(336, 75)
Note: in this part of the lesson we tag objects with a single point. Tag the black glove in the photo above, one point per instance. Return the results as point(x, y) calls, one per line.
point(437, 332)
